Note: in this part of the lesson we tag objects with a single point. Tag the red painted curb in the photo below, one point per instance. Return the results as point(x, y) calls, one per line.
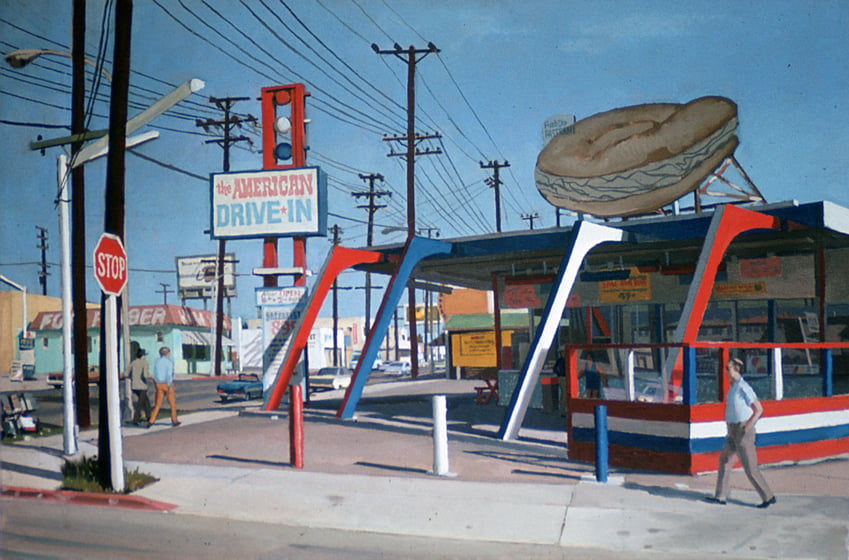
point(86, 498)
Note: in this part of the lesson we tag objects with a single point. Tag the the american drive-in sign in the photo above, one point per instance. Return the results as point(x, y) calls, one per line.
point(269, 203)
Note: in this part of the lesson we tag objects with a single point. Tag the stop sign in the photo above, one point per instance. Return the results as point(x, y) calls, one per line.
point(110, 264)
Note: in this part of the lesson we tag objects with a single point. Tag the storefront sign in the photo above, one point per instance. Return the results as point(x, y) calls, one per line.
point(637, 287)
point(278, 324)
point(280, 202)
point(279, 296)
point(476, 349)
point(760, 268)
point(139, 316)
point(521, 296)
point(739, 289)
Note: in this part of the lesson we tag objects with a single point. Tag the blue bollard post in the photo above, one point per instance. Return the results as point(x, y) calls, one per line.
point(601, 443)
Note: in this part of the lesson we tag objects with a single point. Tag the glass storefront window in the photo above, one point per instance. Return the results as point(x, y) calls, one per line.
point(797, 322)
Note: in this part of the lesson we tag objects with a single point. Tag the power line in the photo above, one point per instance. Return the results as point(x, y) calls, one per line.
point(321, 105)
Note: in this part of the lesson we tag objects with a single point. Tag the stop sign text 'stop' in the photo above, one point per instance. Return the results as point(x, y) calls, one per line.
point(110, 264)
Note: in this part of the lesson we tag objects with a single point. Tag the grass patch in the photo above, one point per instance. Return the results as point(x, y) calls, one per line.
point(42, 430)
point(85, 475)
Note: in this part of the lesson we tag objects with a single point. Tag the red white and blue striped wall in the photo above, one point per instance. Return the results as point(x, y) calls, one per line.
point(687, 439)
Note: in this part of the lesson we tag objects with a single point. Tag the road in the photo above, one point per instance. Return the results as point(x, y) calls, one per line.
point(192, 394)
point(32, 529)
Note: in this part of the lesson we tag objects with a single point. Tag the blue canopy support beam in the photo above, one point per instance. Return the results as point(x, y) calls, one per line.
point(417, 248)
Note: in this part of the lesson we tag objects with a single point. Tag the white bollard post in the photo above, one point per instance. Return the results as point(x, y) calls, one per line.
point(440, 437)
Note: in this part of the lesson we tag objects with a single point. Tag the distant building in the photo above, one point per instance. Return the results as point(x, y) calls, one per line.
point(187, 332)
point(11, 308)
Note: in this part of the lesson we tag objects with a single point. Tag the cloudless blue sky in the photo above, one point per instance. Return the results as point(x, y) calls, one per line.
point(503, 68)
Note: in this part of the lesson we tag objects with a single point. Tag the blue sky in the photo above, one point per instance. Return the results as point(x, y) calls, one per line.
point(503, 68)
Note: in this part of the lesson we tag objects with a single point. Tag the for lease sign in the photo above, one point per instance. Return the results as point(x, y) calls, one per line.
point(269, 203)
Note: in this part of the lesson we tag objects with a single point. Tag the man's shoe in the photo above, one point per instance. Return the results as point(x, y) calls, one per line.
point(175, 424)
point(712, 500)
point(767, 503)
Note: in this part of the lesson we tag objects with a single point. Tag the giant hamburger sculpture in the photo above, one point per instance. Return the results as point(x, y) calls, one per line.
point(634, 160)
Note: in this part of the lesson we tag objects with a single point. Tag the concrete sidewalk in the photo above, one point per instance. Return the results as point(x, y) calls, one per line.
point(372, 475)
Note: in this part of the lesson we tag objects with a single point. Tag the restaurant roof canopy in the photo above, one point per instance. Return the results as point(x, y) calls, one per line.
point(649, 241)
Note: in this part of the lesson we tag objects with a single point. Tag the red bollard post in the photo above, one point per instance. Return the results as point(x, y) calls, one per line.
point(296, 427)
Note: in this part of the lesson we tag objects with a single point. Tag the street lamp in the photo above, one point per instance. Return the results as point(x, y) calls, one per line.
point(22, 57)
point(93, 150)
point(19, 59)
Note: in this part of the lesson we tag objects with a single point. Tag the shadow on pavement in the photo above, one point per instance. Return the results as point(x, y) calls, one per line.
point(33, 471)
point(249, 461)
point(667, 491)
point(395, 468)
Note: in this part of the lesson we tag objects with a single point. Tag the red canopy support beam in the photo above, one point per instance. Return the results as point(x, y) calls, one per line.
point(339, 259)
point(728, 222)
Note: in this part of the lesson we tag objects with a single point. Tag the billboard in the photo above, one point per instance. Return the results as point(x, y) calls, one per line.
point(196, 276)
point(269, 203)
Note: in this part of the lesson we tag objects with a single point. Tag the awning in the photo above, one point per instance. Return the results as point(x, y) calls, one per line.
point(204, 339)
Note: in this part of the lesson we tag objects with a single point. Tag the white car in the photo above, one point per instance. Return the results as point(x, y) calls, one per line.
point(397, 368)
point(355, 359)
point(331, 377)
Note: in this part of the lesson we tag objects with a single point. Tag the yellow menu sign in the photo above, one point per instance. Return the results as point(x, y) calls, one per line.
point(637, 287)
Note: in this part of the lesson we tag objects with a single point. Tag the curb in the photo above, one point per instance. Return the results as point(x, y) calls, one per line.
point(125, 501)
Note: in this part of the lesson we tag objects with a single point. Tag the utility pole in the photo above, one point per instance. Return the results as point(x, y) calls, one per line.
point(78, 251)
point(411, 57)
point(337, 231)
point(114, 224)
point(429, 231)
point(557, 215)
point(530, 218)
point(495, 183)
point(42, 244)
point(226, 125)
point(164, 291)
point(371, 208)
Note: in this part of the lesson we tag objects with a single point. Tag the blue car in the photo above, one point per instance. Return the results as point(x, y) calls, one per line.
point(248, 386)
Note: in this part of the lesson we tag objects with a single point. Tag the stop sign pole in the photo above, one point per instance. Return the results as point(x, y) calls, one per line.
point(110, 271)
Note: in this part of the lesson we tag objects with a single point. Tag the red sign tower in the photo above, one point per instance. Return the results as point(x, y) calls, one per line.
point(284, 147)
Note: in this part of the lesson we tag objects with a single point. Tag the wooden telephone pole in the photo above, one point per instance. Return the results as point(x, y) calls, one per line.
point(226, 126)
point(411, 56)
point(371, 208)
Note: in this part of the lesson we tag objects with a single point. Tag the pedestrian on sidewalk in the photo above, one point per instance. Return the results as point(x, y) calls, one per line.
point(742, 411)
point(163, 380)
point(139, 375)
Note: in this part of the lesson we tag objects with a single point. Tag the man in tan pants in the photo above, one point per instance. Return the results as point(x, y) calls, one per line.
point(163, 379)
point(742, 411)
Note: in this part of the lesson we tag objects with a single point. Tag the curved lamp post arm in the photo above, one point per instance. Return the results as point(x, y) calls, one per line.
point(22, 57)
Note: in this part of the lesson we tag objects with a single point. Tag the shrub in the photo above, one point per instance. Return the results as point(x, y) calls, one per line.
point(86, 475)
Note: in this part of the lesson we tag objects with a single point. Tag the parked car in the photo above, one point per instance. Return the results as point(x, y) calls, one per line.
point(331, 377)
point(355, 359)
point(397, 368)
point(57, 378)
point(248, 386)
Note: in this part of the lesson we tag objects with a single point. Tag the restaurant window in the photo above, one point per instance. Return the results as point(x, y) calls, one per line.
point(195, 352)
point(797, 321)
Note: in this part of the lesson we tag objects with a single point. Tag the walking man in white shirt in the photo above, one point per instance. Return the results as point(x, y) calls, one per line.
point(742, 411)
point(163, 379)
